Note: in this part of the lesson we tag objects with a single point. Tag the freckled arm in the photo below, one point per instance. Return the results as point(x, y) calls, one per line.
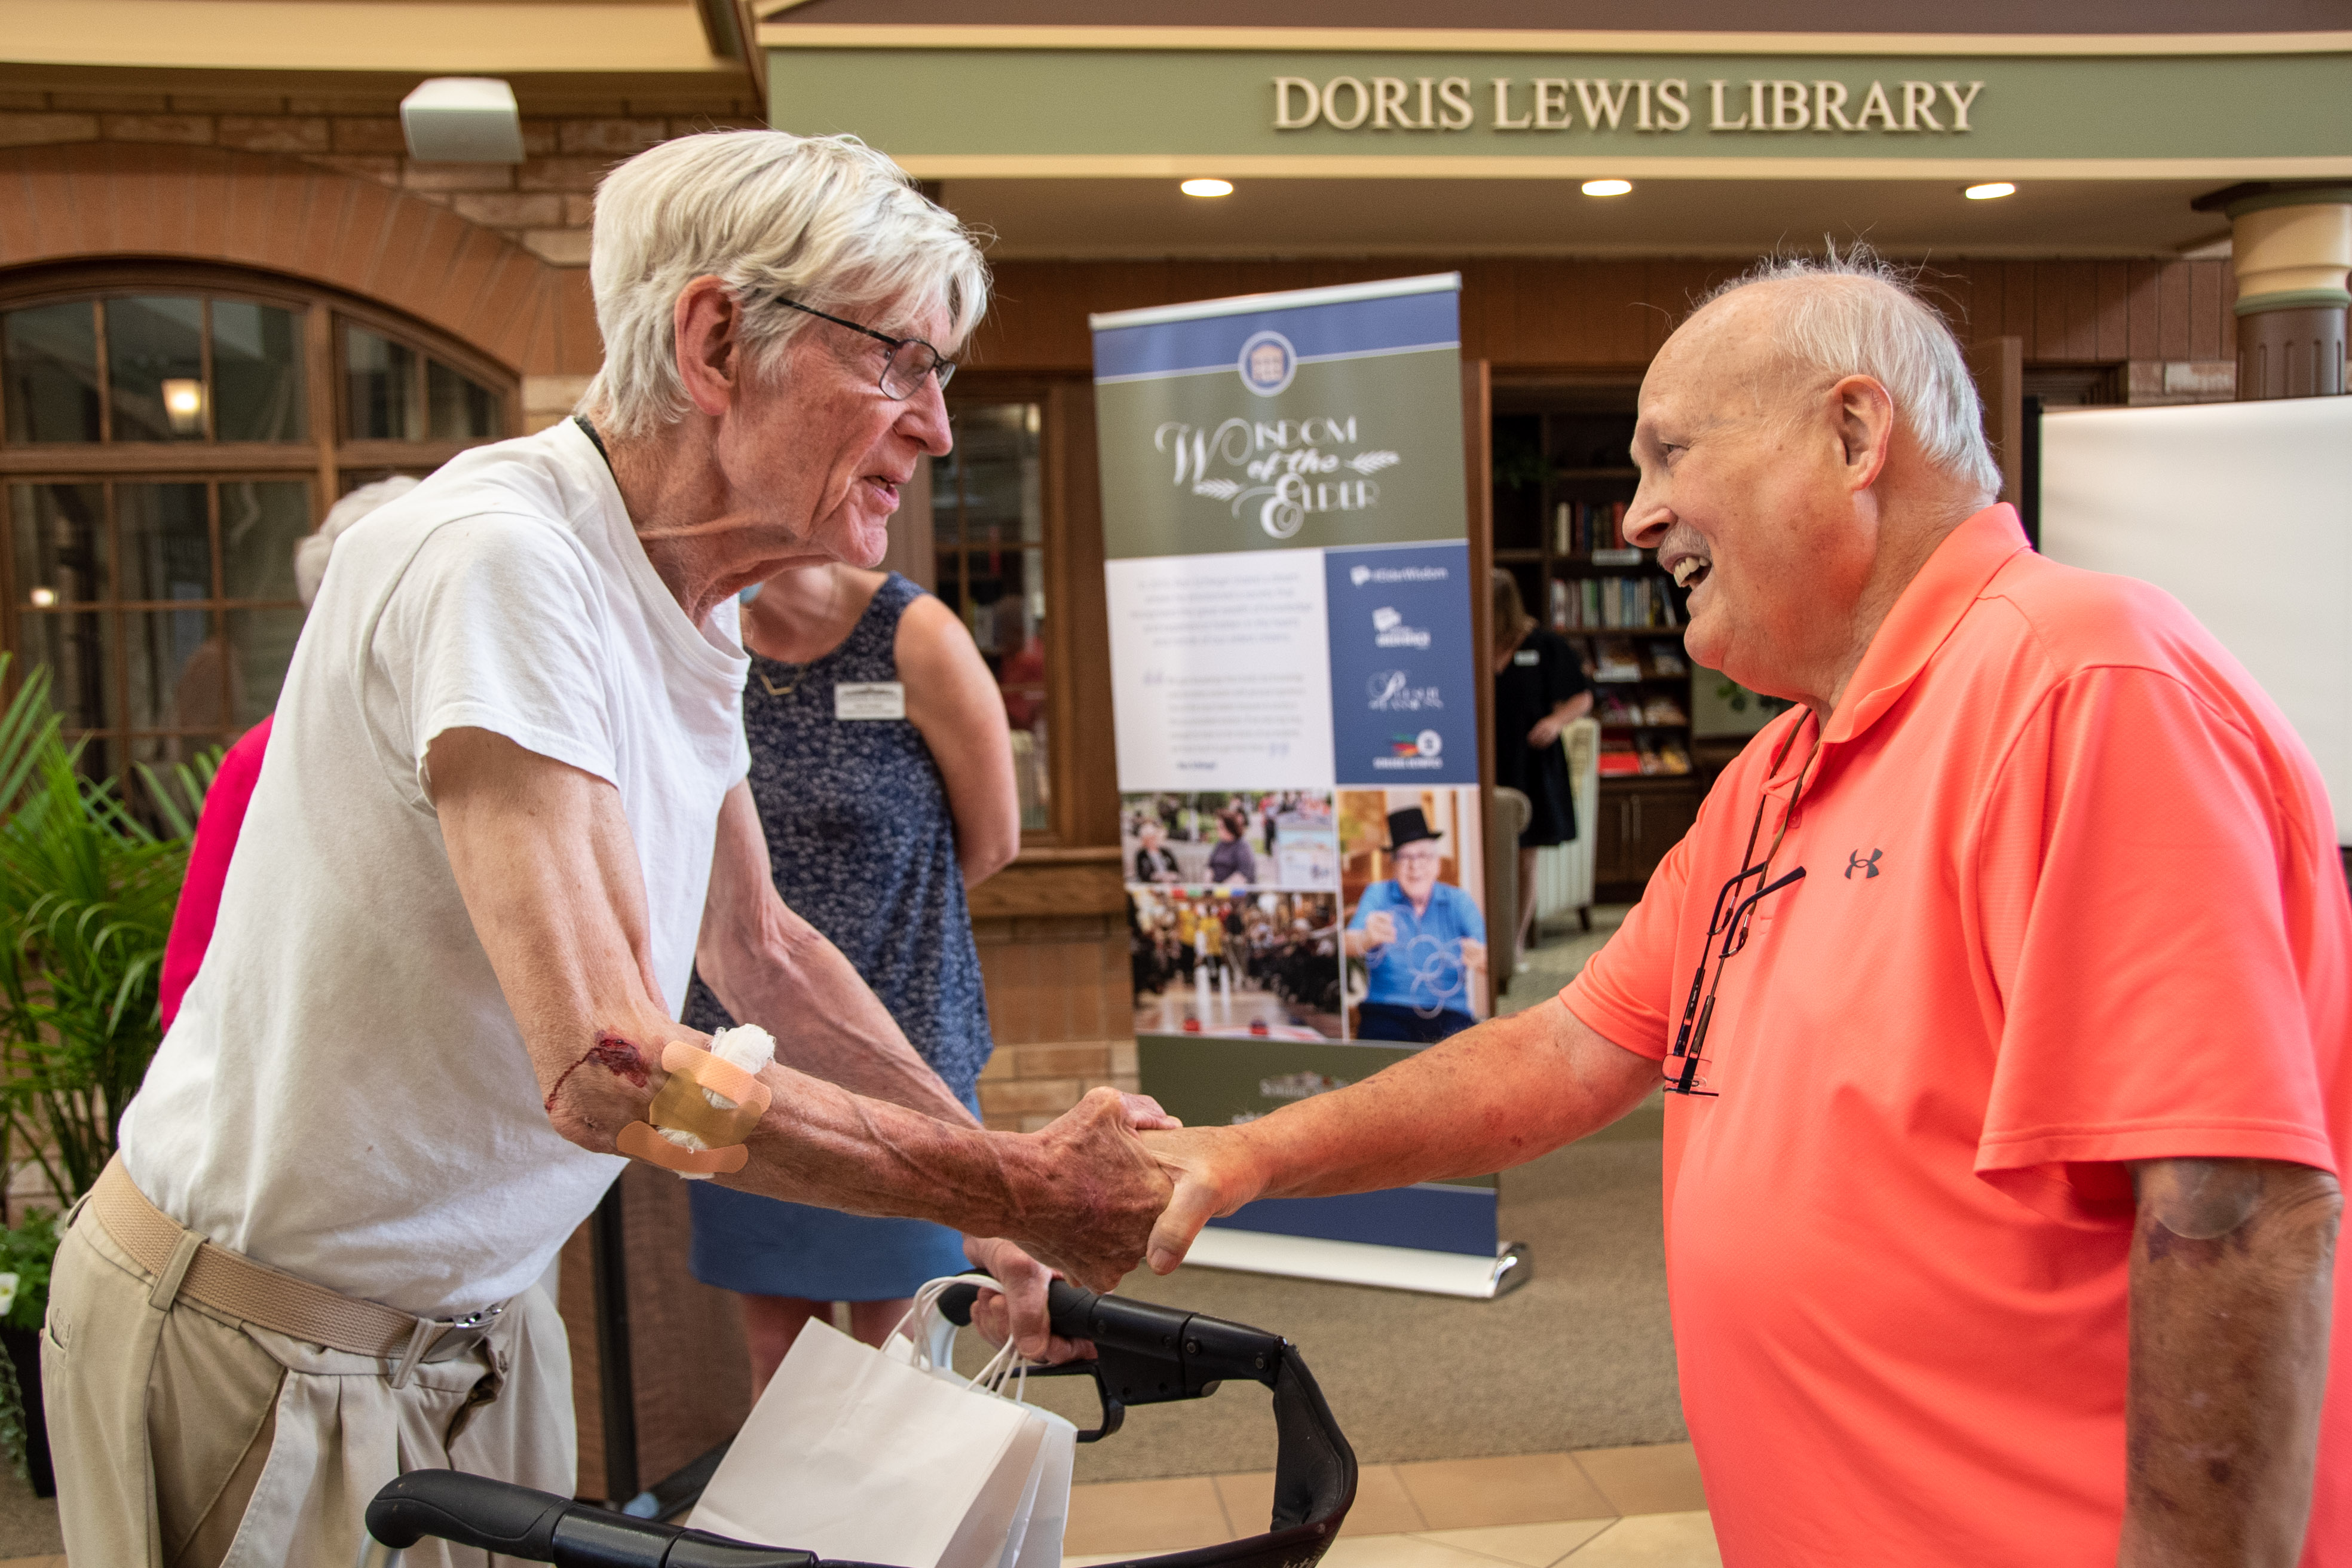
point(1489, 1098)
point(2232, 1263)
point(544, 859)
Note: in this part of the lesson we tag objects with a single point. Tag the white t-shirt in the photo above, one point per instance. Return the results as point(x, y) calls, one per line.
point(344, 1094)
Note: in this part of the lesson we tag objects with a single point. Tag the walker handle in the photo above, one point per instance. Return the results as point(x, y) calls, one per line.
point(539, 1527)
point(1204, 1349)
point(1145, 1353)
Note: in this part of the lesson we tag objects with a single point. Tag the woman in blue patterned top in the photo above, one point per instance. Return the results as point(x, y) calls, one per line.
point(882, 767)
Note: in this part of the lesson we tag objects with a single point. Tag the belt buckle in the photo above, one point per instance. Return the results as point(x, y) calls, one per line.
point(444, 1339)
point(459, 1335)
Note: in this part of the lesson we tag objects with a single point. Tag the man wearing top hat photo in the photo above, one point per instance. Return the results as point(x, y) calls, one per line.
point(1424, 942)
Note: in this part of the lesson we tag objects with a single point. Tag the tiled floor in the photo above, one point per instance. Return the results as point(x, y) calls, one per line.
point(1604, 1508)
point(1601, 1508)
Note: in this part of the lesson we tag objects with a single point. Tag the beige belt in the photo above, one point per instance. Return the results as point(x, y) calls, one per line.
point(185, 1264)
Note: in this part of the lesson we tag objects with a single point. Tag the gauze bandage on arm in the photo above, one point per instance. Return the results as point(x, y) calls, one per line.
point(696, 1124)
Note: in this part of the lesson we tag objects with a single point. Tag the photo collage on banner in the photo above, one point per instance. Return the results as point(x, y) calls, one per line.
point(1294, 698)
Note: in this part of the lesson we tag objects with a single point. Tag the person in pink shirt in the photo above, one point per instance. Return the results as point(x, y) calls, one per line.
point(240, 769)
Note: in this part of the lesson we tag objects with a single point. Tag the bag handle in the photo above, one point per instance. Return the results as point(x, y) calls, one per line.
point(929, 1328)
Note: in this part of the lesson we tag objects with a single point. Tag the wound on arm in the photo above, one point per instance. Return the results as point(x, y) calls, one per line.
point(615, 1055)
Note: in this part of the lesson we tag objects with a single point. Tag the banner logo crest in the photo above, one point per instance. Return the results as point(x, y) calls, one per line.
point(1267, 362)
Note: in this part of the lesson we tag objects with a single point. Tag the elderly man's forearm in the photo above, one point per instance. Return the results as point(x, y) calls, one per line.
point(1486, 1099)
point(1081, 1194)
point(2232, 1264)
point(821, 1143)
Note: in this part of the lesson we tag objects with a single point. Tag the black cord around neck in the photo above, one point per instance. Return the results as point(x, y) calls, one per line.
point(593, 439)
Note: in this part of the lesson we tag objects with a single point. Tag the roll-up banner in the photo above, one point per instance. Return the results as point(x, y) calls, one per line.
point(1294, 687)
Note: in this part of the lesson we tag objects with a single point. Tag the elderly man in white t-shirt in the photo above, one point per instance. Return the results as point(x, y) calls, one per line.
point(502, 817)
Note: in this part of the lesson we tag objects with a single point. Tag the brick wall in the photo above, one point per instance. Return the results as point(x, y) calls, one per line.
point(1061, 1008)
point(541, 204)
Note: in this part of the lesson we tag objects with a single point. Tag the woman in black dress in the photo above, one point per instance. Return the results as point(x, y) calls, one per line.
point(1540, 690)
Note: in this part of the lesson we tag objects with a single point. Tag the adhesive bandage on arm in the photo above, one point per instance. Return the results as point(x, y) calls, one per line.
point(696, 1124)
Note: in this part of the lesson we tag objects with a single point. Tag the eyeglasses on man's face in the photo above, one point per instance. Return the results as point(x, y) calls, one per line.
point(911, 359)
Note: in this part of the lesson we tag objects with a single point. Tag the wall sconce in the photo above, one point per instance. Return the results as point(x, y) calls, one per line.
point(462, 120)
point(184, 404)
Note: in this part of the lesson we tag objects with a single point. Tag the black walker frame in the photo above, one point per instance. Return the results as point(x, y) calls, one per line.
point(1147, 1354)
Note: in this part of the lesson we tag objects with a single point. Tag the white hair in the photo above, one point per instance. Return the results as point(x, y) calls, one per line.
point(1862, 316)
point(311, 553)
point(824, 220)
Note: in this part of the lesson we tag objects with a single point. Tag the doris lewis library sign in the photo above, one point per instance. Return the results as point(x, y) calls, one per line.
point(1222, 101)
point(1661, 106)
point(1294, 694)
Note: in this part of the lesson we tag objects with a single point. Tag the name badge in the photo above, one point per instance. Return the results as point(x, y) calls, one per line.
point(870, 700)
point(1527, 658)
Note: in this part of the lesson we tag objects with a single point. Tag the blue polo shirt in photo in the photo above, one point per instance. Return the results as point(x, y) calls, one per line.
point(1422, 967)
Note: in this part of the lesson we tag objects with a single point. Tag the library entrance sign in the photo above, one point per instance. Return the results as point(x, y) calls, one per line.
point(1041, 112)
point(1638, 105)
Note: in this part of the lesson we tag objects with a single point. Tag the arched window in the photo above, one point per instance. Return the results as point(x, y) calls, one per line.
point(166, 436)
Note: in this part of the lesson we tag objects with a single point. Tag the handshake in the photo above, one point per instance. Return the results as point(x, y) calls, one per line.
point(1126, 1182)
point(1122, 1183)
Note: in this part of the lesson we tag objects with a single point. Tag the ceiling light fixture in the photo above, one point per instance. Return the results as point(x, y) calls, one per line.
point(1207, 187)
point(462, 120)
point(1991, 192)
point(1607, 187)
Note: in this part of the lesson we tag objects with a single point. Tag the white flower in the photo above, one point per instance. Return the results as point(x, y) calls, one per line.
point(7, 1293)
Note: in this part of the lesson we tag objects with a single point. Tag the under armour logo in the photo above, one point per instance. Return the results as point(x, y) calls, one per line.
point(1869, 868)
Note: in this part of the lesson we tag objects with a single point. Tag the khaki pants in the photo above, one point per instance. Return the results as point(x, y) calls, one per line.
point(185, 1440)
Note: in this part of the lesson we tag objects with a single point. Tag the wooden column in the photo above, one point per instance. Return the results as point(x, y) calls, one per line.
point(1478, 481)
point(1998, 366)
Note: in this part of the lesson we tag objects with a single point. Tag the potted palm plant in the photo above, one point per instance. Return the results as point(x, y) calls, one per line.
point(87, 886)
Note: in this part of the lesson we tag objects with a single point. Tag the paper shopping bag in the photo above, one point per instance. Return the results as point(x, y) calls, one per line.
point(1044, 1515)
point(856, 1456)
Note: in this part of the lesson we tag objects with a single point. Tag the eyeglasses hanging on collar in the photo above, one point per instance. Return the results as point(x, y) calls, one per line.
point(1727, 927)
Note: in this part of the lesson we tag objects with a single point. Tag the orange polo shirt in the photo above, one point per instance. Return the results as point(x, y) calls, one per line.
point(2071, 898)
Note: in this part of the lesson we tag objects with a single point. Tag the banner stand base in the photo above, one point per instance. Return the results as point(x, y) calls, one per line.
point(1363, 1263)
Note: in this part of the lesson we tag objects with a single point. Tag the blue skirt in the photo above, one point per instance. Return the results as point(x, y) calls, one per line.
point(762, 1246)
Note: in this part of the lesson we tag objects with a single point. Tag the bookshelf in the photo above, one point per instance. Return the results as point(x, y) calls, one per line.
point(1562, 479)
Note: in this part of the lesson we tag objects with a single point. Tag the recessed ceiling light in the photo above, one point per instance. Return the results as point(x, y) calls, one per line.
point(1991, 192)
point(1207, 187)
point(1607, 187)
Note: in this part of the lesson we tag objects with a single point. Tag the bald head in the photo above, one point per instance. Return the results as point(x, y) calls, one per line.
point(1818, 321)
point(1806, 438)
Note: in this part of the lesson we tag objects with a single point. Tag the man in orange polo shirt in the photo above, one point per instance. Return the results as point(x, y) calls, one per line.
point(2001, 992)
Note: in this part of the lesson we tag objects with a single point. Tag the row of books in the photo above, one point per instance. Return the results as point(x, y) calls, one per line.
point(1612, 603)
point(1581, 527)
point(1617, 659)
point(1634, 707)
